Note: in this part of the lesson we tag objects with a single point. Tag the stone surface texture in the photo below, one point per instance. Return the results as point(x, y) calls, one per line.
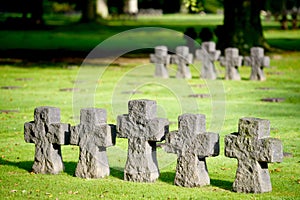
point(143, 130)
point(92, 135)
point(192, 144)
point(183, 58)
point(161, 58)
point(208, 55)
point(254, 149)
point(48, 134)
point(231, 61)
point(257, 61)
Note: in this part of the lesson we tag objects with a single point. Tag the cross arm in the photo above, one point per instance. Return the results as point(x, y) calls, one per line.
point(237, 61)
point(153, 58)
point(247, 61)
point(214, 55)
point(29, 134)
point(123, 126)
point(201, 54)
point(174, 59)
point(157, 128)
point(223, 61)
point(231, 145)
point(190, 58)
point(74, 134)
point(173, 143)
point(59, 133)
point(167, 59)
point(270, 150)
point(206, 144)
point(266, 61)
point(105, 135)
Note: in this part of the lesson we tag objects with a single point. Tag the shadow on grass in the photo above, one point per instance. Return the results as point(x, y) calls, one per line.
point(226, 185)
point(70, 168)
point(26, 165)
point(117, 173)
point(167, 177)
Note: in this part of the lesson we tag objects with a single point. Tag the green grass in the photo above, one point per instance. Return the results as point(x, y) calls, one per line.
point(84, 37)
point(42, 85)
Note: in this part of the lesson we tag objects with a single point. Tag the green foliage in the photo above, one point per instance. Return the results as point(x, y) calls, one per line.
point(209, 6)
point(194, 5)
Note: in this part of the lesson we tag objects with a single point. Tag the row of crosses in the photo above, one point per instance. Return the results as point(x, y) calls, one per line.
point(252, 145)
point(208, 54)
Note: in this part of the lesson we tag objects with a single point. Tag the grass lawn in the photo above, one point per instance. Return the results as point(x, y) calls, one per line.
point(41, 86)
point(36, 84)
point(84, 37)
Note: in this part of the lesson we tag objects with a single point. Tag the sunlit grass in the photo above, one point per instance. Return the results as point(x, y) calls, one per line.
point(41, 86)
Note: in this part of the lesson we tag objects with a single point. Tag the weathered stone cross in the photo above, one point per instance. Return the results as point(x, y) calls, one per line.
point(257, 61)
point(208, 55)
point(92, 135)
point(47, 133)
point(231, 61)
point(254, 149)
point(183, 58)
point(143, 130)
point(192, 145)
point(161, 60)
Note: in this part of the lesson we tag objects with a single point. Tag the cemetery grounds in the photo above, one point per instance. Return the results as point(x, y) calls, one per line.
point(26, 85)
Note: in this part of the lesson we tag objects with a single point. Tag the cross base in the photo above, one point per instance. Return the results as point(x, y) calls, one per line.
point(191, 171)
point(47, 159)
point(92, 164)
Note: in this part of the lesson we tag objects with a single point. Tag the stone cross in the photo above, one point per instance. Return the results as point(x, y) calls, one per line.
point(92, 135)
point(208, 54)
point(231, 61)
point(143, 130)
point(183, 58)
point(192, 144)
point(254, 149)
point(48, 134)
point(257, 61)
point(161, 60)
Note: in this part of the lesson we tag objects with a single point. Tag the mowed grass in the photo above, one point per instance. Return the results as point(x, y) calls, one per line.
point(84, 37)
point(40, 85)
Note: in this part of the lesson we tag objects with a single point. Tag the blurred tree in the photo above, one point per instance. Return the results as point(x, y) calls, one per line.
point(88, 9)
point(171, 6)
point(280, 8)
point(31, 9)
point(115, 7)
point(242, 26)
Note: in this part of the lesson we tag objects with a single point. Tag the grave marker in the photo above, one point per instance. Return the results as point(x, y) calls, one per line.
point(257, 61)
point(208, 54)
point(183, 58)
point(254, 149)
point(143, 130)
point(231, 61)
point(92, 135)
point(192, 144)
point(48, 134)
point(161, 60)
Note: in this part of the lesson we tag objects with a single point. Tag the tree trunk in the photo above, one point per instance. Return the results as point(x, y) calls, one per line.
point(88, 10)
point(37, 12)
point(242, 25)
